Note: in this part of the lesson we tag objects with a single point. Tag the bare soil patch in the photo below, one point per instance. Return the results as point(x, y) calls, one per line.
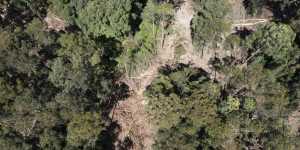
point(294, 122)
point(54, 22)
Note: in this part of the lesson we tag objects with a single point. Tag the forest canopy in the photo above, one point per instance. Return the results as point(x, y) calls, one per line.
point(133, 74)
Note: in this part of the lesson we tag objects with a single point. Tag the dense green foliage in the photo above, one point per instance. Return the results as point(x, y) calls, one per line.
point(209, 24)
point(197, 113)
point(98, 18)
point(110, 18)
point(56, 88)
point(283, 10)
point(68, 10)
point(141, 48)
point(181, 95)
point(183, 101)
point(275, 41)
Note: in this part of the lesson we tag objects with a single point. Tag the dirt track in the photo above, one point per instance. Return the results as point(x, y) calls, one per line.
point(130, 114)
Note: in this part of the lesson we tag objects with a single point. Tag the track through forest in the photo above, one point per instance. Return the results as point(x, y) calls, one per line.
point(151, 74)
point(130, 114)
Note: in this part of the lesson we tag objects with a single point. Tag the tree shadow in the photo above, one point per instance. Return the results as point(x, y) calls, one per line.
point(135, 18)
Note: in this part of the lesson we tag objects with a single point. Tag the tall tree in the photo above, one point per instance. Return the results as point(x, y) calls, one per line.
point(209, 23)
point(108, 18)
point(275, 41)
